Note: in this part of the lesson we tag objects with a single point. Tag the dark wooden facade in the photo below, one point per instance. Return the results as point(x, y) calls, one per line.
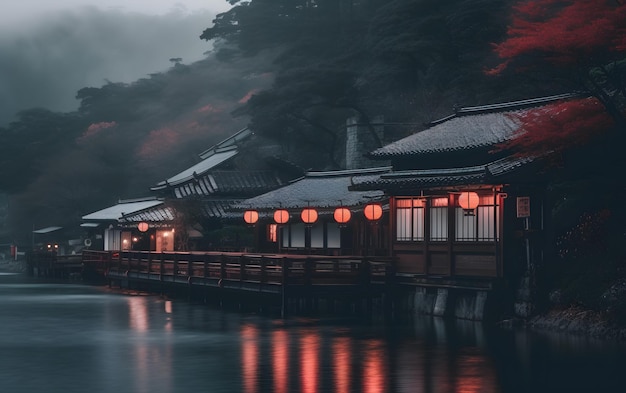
point(433, 239)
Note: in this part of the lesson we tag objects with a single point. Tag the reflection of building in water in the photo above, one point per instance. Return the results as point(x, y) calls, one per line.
point(311, 359)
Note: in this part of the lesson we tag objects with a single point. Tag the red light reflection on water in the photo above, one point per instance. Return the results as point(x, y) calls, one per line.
point(138, 314)
point(249, 358)
point(309, 361)
point(474, 375)
point(374, 367)
point(280, 356)
point(342, 359)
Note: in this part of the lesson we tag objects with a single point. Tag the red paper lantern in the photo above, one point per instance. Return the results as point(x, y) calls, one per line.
point(308, 215)
point(342, 215)
point(251, 216)
point(468, 200)
point(142, 226)
point(373, 211)
point(281, 216)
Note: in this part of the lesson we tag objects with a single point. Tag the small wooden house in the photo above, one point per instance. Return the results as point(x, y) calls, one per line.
point(318, 214)
point(190, 204)
point(463, 213)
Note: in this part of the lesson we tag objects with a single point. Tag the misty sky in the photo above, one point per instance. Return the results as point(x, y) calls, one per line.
point(51, 49)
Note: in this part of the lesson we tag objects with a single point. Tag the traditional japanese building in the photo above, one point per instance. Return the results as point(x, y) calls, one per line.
point(189, 205)
point(463, 214)
point(318, 214)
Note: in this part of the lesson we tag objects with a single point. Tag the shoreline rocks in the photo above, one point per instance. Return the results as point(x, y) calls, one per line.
point(577, 321)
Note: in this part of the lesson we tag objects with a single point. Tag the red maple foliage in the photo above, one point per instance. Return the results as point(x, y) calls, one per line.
point(564, 32)
point(558, 126)
point(588, 35)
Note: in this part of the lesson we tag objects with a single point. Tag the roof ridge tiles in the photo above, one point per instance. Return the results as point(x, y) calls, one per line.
point(499, 107)
point(348, 172)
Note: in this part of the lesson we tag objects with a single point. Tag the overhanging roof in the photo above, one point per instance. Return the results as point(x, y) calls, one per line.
point(232, 182)
point(46, 230)
point(489, 173)
point(319, 189)
point(468, 128)
point(200, 168)
point(115, 212)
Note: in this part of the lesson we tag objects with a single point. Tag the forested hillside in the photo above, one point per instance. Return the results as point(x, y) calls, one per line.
point(293, 70)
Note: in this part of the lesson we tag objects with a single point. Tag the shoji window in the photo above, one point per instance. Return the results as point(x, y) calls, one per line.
point(481, 224)
point(410, 219)
point(439, 219)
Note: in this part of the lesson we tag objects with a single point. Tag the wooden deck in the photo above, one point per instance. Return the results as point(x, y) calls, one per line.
point(284, 275)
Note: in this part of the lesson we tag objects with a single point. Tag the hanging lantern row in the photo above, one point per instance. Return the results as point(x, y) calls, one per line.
point(342, 215)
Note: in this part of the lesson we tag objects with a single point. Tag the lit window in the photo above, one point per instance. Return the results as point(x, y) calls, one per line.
point(439, 219)
point(410, 219)
point(272, 236)
point(480, 226)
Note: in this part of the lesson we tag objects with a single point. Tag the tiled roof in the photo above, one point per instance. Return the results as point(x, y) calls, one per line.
point(242, 183)
point(210, 162)
point(220, 208)
point(155, 214)
point(319, 189)
point(427, 178)
point(124, 207)
point(230, 141)
point(468, 128)
point(211, 158)
point(160, 214)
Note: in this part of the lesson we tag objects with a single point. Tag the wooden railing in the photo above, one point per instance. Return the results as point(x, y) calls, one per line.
point(44, 263)
point(229, 267)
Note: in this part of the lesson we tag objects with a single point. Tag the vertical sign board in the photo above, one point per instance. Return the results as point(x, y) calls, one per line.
point(523, 207)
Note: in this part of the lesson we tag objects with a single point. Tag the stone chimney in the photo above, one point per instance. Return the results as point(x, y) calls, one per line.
point(360, 141)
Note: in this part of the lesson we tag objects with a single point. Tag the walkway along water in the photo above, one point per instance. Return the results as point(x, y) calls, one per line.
point(286, 282)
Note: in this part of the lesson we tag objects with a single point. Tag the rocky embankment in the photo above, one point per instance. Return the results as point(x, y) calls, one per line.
point(578, 321)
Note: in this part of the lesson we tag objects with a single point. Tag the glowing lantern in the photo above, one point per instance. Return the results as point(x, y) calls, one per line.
point(251, 217)
point(308, 215)
point(281, 216)
point(373, 211)
point(342, 215)
point(142, 226)
point(468, 201)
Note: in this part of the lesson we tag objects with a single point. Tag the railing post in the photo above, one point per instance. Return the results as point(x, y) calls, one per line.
point(284, 284)
point(242, 268)
point(263, 264)
point(222, 267)
point(308, 271)
point(161, 267)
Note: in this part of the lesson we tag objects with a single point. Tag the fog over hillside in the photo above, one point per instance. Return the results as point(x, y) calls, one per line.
point(46, 60)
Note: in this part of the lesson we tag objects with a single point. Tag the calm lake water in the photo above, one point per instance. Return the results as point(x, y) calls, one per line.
point(57, 337)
